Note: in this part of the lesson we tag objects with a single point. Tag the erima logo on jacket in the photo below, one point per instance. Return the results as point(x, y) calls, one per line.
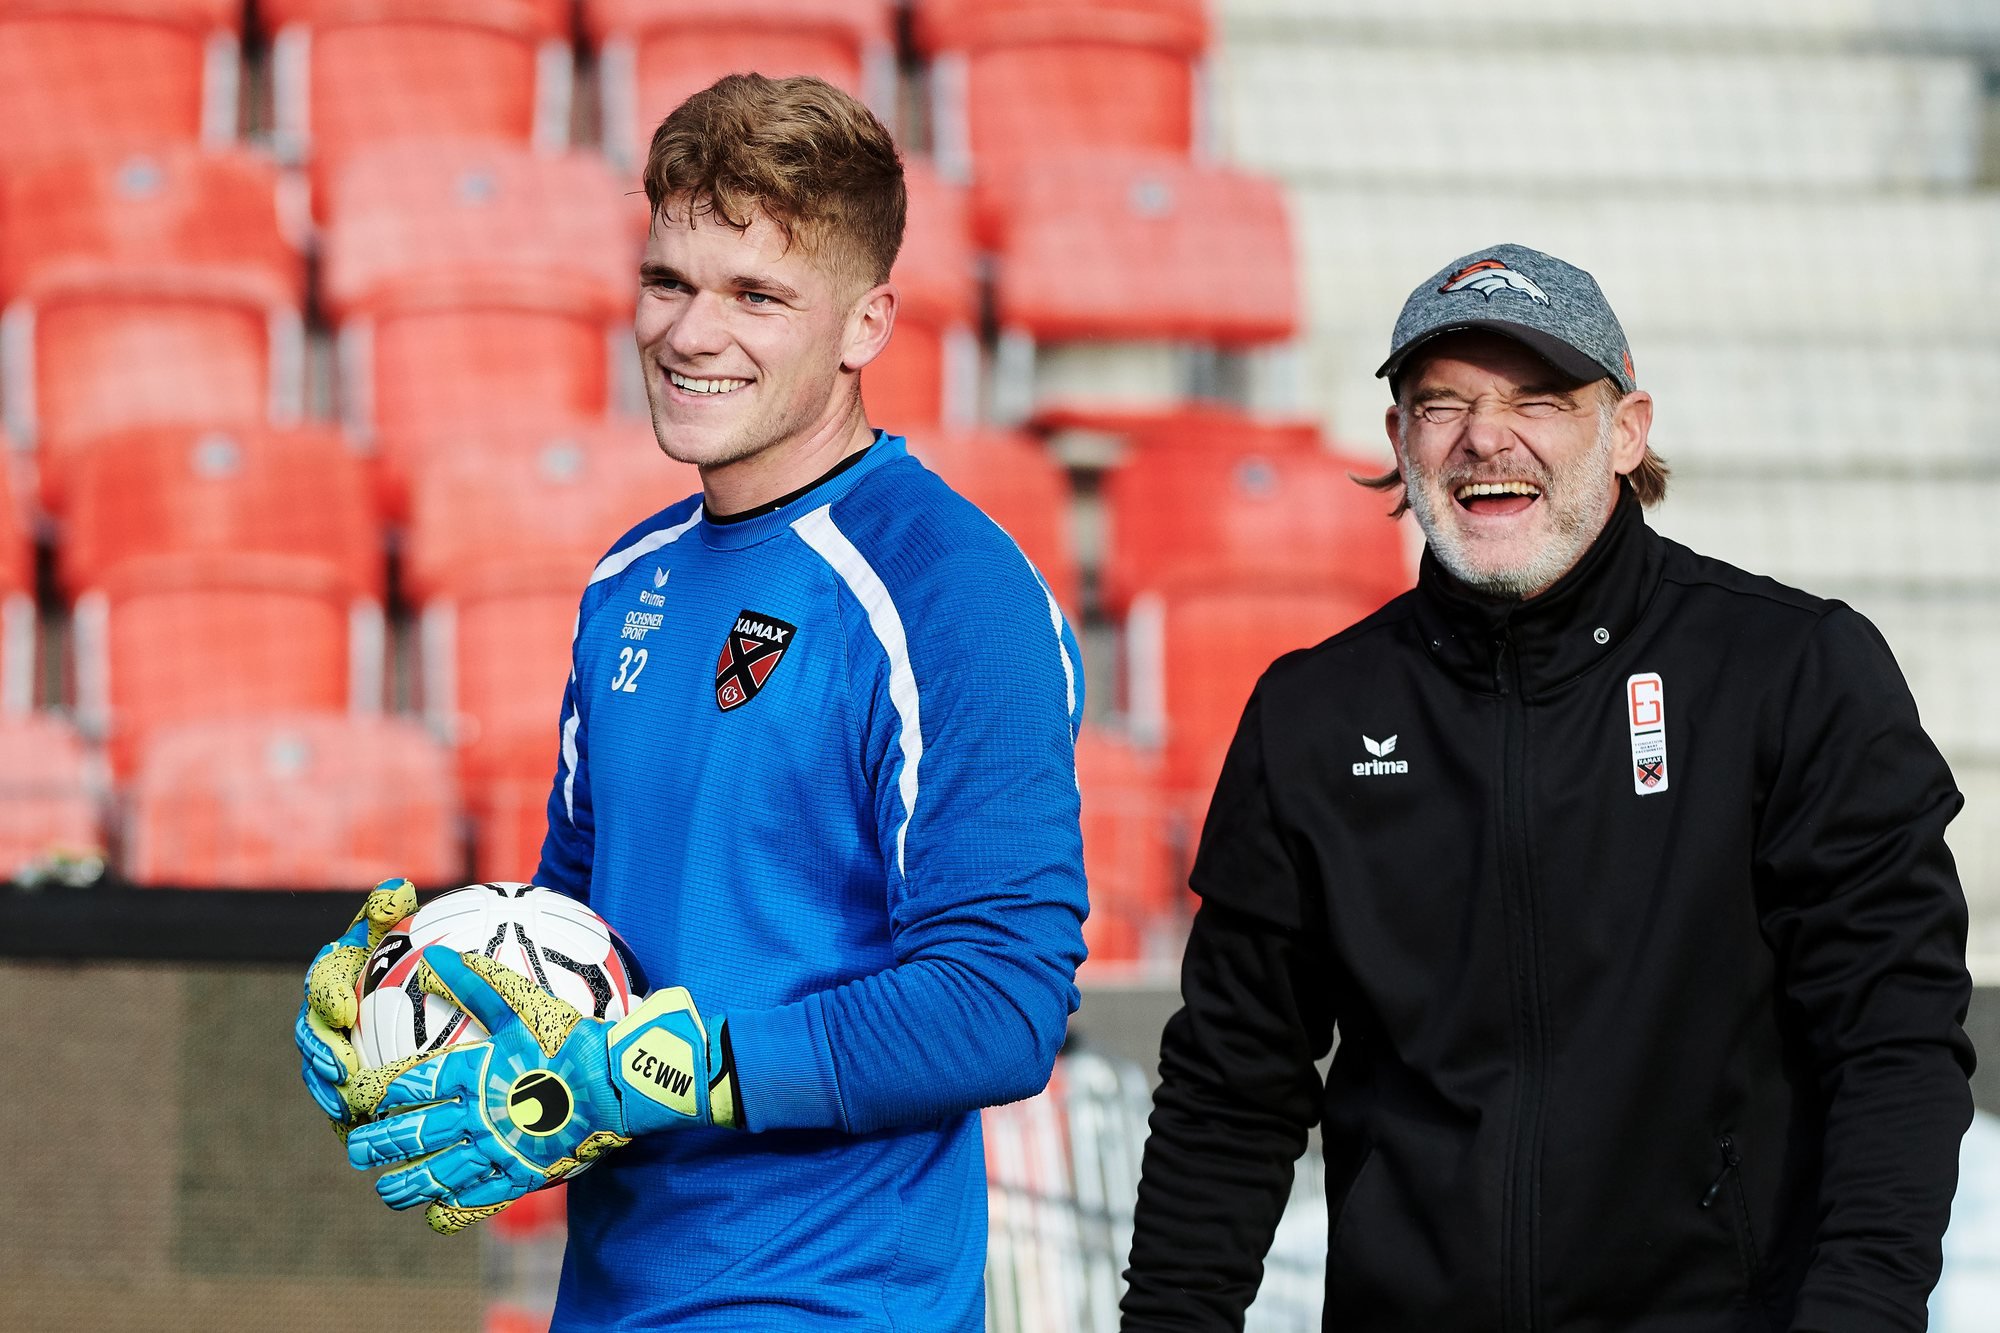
point(1381, 763)
point(1489, 276)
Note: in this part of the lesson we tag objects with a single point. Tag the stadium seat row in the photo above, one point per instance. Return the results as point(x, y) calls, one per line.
point(1010, 77)
point(316, 799)
point(471, 283)
point(1209, 497)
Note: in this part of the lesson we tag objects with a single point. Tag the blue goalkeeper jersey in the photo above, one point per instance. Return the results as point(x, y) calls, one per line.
point(818, 766)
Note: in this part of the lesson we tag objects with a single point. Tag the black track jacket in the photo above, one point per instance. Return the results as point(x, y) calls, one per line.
point(1615, 1056)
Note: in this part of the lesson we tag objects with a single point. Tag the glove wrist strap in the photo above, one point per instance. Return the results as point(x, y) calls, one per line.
point(665, 1069)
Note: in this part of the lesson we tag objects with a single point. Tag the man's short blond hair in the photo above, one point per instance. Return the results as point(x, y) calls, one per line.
point(798, 151)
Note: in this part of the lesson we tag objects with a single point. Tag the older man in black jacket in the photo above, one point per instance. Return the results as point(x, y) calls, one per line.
point(1622, 874)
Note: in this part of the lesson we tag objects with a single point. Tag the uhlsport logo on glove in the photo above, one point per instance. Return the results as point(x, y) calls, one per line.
point(540, 1103)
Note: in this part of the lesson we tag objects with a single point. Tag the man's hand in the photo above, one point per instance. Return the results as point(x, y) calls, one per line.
point(472, 1128)
point(327, 1060)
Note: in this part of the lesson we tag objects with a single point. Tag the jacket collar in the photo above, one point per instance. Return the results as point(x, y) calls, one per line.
point(1557, 636)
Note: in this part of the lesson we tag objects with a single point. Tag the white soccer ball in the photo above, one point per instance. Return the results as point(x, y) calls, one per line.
point(548, 937)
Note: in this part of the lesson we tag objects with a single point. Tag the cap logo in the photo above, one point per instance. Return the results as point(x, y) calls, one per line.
point(1489, 276)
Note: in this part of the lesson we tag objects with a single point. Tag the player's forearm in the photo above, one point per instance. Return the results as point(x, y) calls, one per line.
point(930, 1038)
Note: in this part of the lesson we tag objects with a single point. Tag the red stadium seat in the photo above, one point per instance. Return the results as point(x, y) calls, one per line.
point(17, 592)
point(510, 819)
point(49, 796)
point(350, 74)
point(150, 287)
point(181, 638)
point(1211, 425)
point(1180, 511)
point(139, 208)
point(503, 1317)
point(1126, 854)
point(653, 53)
point(1145, 246)
point(86, 74)
point(169, 490)
point(1013, 479)
point(1194, 652)
point(1012, 80)
point(495, 657)
point(294, 801)
point(1112, 267)
point(930, 370)
point(558, 494)
point(17, 525)
point(475, 283)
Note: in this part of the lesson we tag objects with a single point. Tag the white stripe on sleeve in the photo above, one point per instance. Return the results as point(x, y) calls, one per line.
point(1056, 624)
point(818, 531)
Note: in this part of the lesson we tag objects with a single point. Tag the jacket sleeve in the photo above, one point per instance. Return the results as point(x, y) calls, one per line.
point(1865, 913)
point(967, 688)
point(1238, 1088)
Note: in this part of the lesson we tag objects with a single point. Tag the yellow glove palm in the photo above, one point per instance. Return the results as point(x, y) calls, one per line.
point(323, 1031)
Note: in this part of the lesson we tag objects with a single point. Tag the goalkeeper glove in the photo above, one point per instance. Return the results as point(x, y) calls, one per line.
point(327, 1060)
point(477, 1126)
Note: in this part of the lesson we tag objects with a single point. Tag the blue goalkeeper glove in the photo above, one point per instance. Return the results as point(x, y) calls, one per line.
point(477, 1126)
point(327, 1060)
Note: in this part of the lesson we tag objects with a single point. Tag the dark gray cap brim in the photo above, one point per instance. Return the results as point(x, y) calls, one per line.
point(1578, 365)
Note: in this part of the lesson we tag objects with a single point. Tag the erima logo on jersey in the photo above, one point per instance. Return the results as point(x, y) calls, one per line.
point(1381, 763)
point(1489, 276)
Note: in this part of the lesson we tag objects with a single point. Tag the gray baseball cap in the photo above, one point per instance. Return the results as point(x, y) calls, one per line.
point(1556, 309)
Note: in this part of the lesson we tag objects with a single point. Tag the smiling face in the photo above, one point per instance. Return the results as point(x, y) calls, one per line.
point(752, 350)
point(1511, 469)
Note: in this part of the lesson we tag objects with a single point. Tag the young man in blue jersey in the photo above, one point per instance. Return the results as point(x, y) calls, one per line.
point(815, 765)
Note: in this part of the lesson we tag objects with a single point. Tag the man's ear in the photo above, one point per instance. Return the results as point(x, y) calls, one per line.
point(1392, 422)
point(869, 324)
point(1631, 425)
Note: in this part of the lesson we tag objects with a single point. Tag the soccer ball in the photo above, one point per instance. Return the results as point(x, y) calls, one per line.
point(550, 938)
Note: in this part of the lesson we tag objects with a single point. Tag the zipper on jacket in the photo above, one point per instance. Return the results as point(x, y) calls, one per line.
point(1730, 1161)
point(1521, 1280)
point(1739, 1223)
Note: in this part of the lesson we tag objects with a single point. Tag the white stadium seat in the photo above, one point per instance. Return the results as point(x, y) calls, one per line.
point(1724, 403)
point(1540, 22)
point(1683, 270)
point(1466, 115)
point(1842, 535)
point(1975, 845)
point(1890, 267)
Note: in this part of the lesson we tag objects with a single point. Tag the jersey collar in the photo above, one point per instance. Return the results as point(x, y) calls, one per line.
point(744, 532)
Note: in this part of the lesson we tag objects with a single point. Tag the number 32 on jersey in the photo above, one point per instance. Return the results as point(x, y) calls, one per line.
point(631, 661)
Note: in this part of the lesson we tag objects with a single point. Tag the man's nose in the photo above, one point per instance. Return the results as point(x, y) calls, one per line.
point(698, 328)
point(1488, 431)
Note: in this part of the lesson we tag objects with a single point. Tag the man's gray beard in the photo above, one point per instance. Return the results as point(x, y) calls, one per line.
point(1580, 495)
